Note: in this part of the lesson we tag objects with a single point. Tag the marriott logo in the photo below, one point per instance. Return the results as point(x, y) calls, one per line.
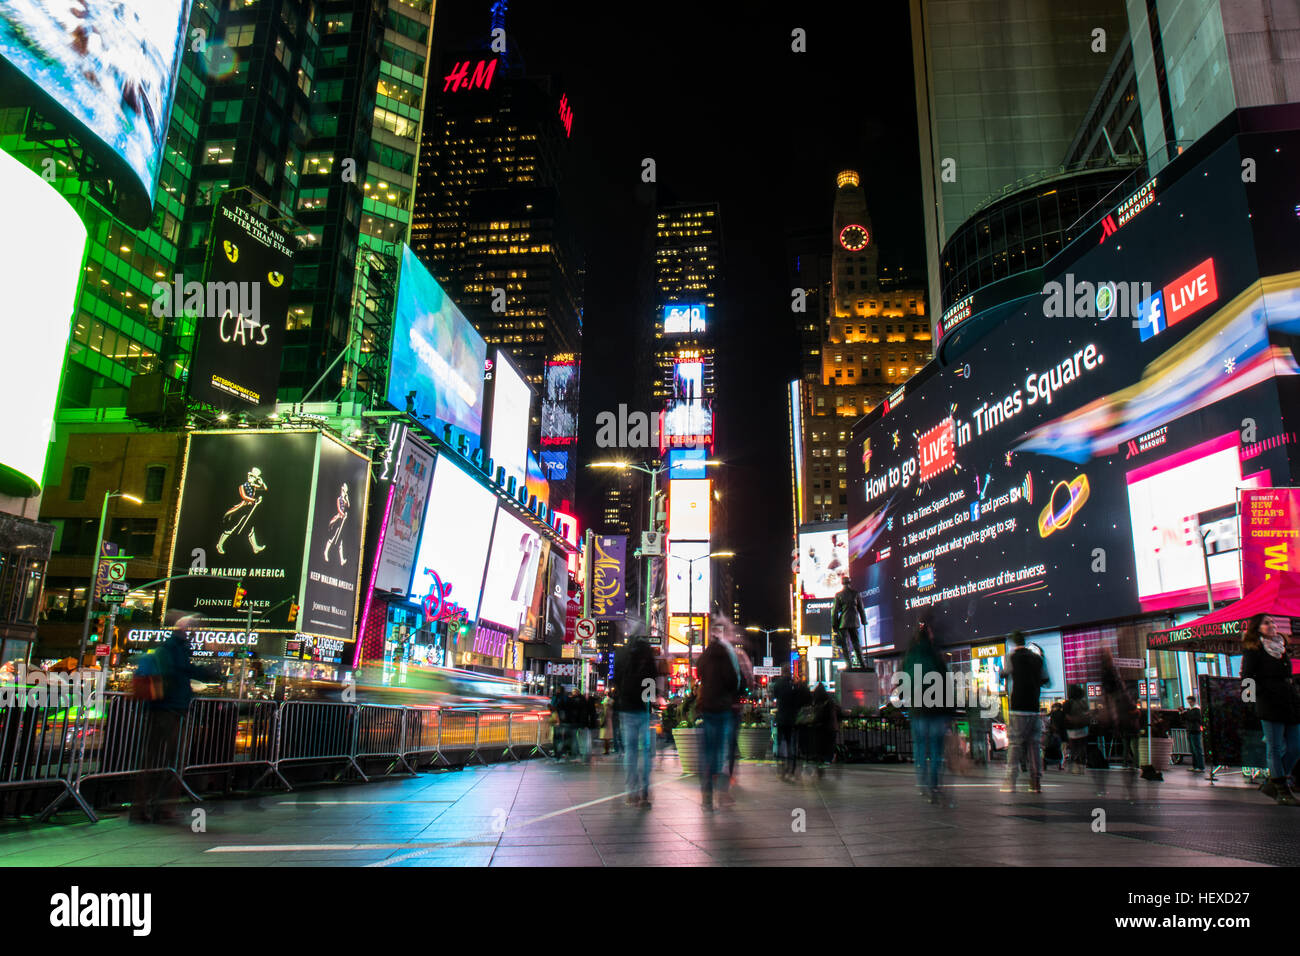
point(1143, 443)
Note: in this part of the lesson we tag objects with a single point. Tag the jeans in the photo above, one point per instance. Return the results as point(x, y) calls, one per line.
point(1026, 731)
point(927, 747)
point(717, 738)
point(1195, 741)
point(1282, 742)
point(786, 745)
point(638, 749)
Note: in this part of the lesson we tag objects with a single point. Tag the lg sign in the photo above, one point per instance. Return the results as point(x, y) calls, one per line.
point(1187, 294)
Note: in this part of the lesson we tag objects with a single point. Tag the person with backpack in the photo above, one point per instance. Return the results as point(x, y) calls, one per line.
point(717, 688)
point(163, 682)
point(1026, 675)
point(848, 618)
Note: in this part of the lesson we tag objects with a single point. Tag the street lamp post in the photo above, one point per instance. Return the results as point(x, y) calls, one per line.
point(690, 603)
point(767, 632)
point(94, 567)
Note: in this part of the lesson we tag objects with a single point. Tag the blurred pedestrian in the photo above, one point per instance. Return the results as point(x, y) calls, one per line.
point(1056, 746)
point(1077, 714)
point(825, 722)
point(1027, 675)
point(922, 667)
point(789, 701)
point(171, 664)
point(636, 692)
point(1195, 727)
point(1265, 661)
point(1121, 719)
point(718, 686)
point(746, 668)
point(605, 720)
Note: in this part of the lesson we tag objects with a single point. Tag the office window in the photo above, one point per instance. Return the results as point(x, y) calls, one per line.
point(153, 482)
point(80, 479)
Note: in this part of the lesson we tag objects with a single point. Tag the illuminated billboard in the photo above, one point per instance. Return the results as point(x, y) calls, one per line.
point(110, 68)
point(680, 319)
point(511, 572)
point(1083, 468)
point(436, 367)
point(49, 244)
point(409, 498)
point(331, 577)
point(511, 401)
point(453, 548)
point(688, 424)
point(560, 402)
point(823, 560)
point(536, 480)
point(688, 582)
point(688, 508)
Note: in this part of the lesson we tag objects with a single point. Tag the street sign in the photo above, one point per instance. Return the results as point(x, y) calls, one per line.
point(1129, 662)
point(102, 650)
point(767, 662)
point(767, 671)
point(586, 629)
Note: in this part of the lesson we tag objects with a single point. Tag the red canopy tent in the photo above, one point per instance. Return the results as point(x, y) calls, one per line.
point(1219, 632)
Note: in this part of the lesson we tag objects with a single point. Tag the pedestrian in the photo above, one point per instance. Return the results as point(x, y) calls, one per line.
point(1077, 714)
point(560, 723)
point(789, 701)
point(172, 669)
point(825, 722)
point(1265, 661)
point(1027, 675)
point(849, 618)
point(605, 714)
point(922, 666)
point(718, 686)
point(746, 668)
point(1122, 712)
point(1056, 748)
point(1195, 727)
point(636, 684)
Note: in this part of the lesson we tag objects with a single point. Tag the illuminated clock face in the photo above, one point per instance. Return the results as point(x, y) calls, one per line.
point(854, 238)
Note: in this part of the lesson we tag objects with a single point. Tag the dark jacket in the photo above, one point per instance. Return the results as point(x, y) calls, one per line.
point(719, 679)
point(923, 659)
point(790, 699)
point(176, 669)
point(1275, 695)
point(1027, 674)
point(1192, 720)
point(847, 613)
point(638, 666)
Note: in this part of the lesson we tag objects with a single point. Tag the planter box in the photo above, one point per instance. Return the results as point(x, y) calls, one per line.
point(755, 743)
point(687, 740)
point(1162, 752)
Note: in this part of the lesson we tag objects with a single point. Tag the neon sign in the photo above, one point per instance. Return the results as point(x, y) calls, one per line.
point(460, 77)
point(436, 605)
point(566, 114)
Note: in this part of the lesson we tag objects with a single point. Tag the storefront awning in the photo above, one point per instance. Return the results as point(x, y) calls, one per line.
point(1219, 632)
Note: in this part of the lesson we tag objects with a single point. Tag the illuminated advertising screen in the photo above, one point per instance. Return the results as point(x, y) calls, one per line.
point(410, 495)
point(1083, 465)
point(333, 573)
point(50, 245)
point(436, 368)
point(511, 572)
point(453, 548)
point(688, 582)
point(109, 67)
point(560, 403)
point(246, 500)
point(511, 399)
point(823, 560)
point(241, 310)
point(680, 319)
point(687, 423)
point(688, 508)
point(536, 480)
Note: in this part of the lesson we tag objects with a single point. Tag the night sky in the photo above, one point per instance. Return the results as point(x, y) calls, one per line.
point(730, 114)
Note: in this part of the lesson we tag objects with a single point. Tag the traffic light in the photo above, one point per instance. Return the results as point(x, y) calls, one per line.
point(293, 612)
point(240, 594)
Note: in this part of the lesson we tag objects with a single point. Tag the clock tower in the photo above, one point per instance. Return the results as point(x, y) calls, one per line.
point(853, 244)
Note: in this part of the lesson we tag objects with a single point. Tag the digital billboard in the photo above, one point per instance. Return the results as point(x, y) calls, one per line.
point(49, 244)
point(1081, 467)
point(688, 582)
point(410, 495)
point(453, 548)
point(511, 401)
point(245, 501)
point(511, 572)
point(109, 67)
point(688, 508)
point(536, 480)
point(331, 584)
point(242, 310)
point(436, 367)
point(823, 559)
point(560, 403)
point(680, 319)
point(687, 423)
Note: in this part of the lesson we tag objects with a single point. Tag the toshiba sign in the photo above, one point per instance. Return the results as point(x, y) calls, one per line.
point(1190, 292)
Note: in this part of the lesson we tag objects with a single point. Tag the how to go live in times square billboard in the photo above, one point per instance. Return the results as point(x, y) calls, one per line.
point(1064, 465)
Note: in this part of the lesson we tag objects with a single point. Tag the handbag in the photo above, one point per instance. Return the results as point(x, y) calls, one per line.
point(147, 684)
point(807, 717)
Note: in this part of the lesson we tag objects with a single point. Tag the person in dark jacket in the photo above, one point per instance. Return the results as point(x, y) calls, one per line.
point(1194, 724)
point(848, 619)
point(635, 692)
point(719, 684)
point(1027, 675)
point(1077, 717)
point(171, 662)
point(825, 721)
point(790, 699)
point(929, 713)
point(1265, 661)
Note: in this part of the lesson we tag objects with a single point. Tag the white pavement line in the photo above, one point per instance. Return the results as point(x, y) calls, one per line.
point(353, 803)
point(310, 847)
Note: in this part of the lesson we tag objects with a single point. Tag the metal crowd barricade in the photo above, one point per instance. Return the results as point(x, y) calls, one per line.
point(380, 734)
point(460, 732)
point(526, 731)
point(317, 732)
point(225, 734)
point(39, 748)
point(117, 744)
point(422, 735)
point(494, 729)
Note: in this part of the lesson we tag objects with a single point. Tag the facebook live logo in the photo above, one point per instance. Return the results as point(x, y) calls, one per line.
point(1187, 294)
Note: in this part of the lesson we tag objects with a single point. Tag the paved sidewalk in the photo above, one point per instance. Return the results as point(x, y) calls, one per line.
point(539, 813)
